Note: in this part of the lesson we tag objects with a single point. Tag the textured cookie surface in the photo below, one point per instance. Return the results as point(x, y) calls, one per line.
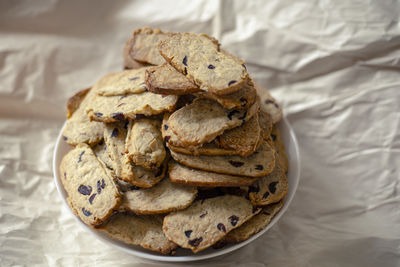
point(100, 150)
point(254, 225)
point(269, 104)
point(244, 139)
point(162, 198)
point(129, 107)
point(145, 231)
point(269, 189)
point(265, 123)
point(164, 79)
point(280, 148)
point(143, 46)
point(75, 101)
point(198, 57)
point(205, 222)
point(79, 129)
point(259, 164)
point(201, 121)
point(145, 144)
point(122, 83)
point(92, 193)
point(184, 175)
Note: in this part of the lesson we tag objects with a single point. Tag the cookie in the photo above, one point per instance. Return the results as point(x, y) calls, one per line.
point(123, 83)
point(203, 120)
point(241, 99)
point(173, 143)
point(79, 129)
point(144, 231)
point(205, 222)
point(115, 138)
point(198, 57)
point(259, 164)
point(244, 139)
point(92, 193)
point(280, 148)
point(254, 225)
point(184, 175)
point(269, 104)
point(144, 143)
point(142, 46)
point(162, 198)
point(75, 101)
point(128, 62)
point(100, 150)
point(269, 189)
point(164, 79)
point(129, 107)
point(265, 123)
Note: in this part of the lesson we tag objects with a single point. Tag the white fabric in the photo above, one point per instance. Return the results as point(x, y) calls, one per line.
point(334, 66)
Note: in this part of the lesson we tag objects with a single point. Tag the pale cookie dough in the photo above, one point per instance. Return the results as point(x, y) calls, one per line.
point(144, 231)
point(198, 57)
point(144, 143)
point(162, 198)
point(203, 120)
point(184, 175)
point(207, 221)
point(258, 164)
point(92, 194)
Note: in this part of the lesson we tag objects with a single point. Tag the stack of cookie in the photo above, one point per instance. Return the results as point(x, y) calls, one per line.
point(178, 150)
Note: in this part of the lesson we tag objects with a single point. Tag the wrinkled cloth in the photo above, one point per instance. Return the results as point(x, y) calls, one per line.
point(333, 65)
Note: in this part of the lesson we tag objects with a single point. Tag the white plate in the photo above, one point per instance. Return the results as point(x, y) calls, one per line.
point(183, 255)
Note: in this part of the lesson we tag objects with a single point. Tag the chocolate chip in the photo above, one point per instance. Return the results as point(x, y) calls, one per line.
point(272, 187)
point(236, 163)
point(65, 175)
point(231, 113)
point(115, 132)
point(211, 67)
point(122, 97)
point(119, 105)
point(234, 219)
point(98, 114)
point(268, 101)
point(98, 187)
point(184, 61)
point(254, 188)
point(221, 227)
point(166, 139)
point(134, 78)
point(244, 101)
point(80, 156)
point(133, 187)
point(85, 190)
point(65, 138)
point(140, 116)
point(101, 143)
point(244, 66)
point(185, 71)
point(188, 233)
point(266, 195)
point(165, 127)
point(195, 242)
point(259, 167)
point(231, 82)
point(164, 96)
point(273, 137)
point(86, 212)
point(118, 116)
point(204, 214)
point(103, 184)
point(92, 198)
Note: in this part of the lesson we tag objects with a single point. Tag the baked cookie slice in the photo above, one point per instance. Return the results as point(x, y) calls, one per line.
point(265, 123)
point(92, 192)
point(142, 46)
point(144, 231)
point(100, 150)
point(162, 198)
point(184, 175)
point(123, 83)
point(254, 225)
point(79, 129)
point(203, 120)
point(244, 139)
point(144, 143)
point(164, 79)
point(269, 189)
point(279, 146)
point(259, 164)
point(269, 104)
point(206, 222)
point(198, 57)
